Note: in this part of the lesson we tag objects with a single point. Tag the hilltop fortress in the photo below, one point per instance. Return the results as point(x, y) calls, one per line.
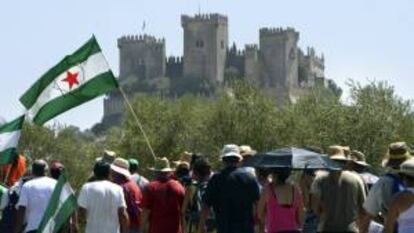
point(276, 64)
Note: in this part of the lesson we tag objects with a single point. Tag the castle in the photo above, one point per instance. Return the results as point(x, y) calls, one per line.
point(276, 65)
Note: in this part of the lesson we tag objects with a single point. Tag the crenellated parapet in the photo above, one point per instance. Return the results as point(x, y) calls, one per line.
point(279, 32)
point(205, 18)
point(172, 60)
point(150, 41)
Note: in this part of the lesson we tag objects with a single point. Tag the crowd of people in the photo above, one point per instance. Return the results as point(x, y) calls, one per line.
point(190, 197)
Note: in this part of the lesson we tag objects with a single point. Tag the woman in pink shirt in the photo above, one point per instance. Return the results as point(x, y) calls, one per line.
point(280, 207)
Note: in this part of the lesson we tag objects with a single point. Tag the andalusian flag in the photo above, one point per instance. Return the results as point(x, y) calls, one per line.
point(61, 206)
point(78, 78)
point(9, 138)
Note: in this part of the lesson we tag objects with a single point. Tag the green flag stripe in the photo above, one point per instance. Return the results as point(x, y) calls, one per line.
point(80, 55)
point(14, 125)
point(7, 156)
point(64, 213)
point(54, 203)
point(97, 86)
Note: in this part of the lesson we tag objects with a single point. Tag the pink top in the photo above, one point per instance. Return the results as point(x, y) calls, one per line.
point(281, 217)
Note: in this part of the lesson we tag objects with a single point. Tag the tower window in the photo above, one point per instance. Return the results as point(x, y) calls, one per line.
point(222, 44)
point(199, 44)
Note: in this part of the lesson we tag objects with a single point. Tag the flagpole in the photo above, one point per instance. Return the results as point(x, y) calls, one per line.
point(138, 121)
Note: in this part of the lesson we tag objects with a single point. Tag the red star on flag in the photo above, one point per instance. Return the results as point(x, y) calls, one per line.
point(71, 78)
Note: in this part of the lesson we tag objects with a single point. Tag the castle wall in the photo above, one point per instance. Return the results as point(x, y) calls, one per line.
point(252, 64)
point(205, 46)
point(174, 67)
point(141, 56)
point(113, 105)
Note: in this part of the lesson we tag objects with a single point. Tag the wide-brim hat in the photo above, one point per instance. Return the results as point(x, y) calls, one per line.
point(359, 158)
point(121, 166)
point(398, 152)
point(161, 165)
point(108, 156)
point(337, 153)
point(246, 150)
point(231, 150)
point(407, 167)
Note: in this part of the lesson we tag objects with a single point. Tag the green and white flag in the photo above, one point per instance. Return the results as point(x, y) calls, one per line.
point(9, 139)
point(61, 206)
point(78, 78)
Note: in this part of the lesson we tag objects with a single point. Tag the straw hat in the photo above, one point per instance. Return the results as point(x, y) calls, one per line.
point(108, 156)
point(185, 157)
point(161, 165)
point(398, 152)
point(359, 158)
point(246, 150)
point(337, 153)
point(231, 150)
point(121, 166)
point(407, 167)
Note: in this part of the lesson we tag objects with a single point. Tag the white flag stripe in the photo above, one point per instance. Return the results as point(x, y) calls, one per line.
point(9, 140)
point(64, 195)
point(93, 66)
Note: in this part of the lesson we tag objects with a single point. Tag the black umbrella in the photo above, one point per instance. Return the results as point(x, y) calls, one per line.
point(291, 157)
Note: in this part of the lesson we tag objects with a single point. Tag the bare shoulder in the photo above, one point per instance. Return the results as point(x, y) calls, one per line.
point(403, 201)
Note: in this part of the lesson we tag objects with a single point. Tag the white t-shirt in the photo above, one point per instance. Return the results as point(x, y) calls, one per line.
point(101, 199)
point(35, 196)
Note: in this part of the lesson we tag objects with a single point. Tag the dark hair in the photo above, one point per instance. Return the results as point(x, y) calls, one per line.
point(101, 170)
point(55, 173)
point(194, 158)
point(282, 175)
point(39, 168)
point(182, 171)
point(201, 168)
point(133, 168)
point(231, 160)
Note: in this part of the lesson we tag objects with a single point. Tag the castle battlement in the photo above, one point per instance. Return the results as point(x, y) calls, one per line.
point(141, 39)
point(172, 60)
point(206, 18)
point(251, 47)
point(278, 31)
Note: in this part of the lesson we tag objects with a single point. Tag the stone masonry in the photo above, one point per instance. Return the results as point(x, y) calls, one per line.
point(276, 64)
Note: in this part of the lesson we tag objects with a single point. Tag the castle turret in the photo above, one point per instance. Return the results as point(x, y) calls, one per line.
point(205, 46)
point(279, 53)
point(278, 48)
point(141, 56)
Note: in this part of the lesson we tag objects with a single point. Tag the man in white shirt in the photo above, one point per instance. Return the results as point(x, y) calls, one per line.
point(34, 198)
point(102, 203)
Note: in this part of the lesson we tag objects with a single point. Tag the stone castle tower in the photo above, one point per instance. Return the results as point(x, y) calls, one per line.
point(276, 64)
point(141, 56)
point(205, 46)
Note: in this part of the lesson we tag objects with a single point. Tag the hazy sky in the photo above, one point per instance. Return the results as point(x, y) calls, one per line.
point(363, 40)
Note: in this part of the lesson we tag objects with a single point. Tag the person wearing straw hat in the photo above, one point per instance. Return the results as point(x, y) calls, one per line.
point(163, 201)
point(132, 193)
point(401, 209)
point(338, 196)
point(359, 165)
point(232, 193)
point(380, 195)
point(246, 152)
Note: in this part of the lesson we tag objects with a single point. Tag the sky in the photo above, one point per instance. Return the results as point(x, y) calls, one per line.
point(360, 39)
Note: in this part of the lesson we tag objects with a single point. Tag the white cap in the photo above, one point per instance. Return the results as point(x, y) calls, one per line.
point(231, 150)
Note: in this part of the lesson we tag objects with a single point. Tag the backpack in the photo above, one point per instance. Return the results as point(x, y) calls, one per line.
point(197, 205)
